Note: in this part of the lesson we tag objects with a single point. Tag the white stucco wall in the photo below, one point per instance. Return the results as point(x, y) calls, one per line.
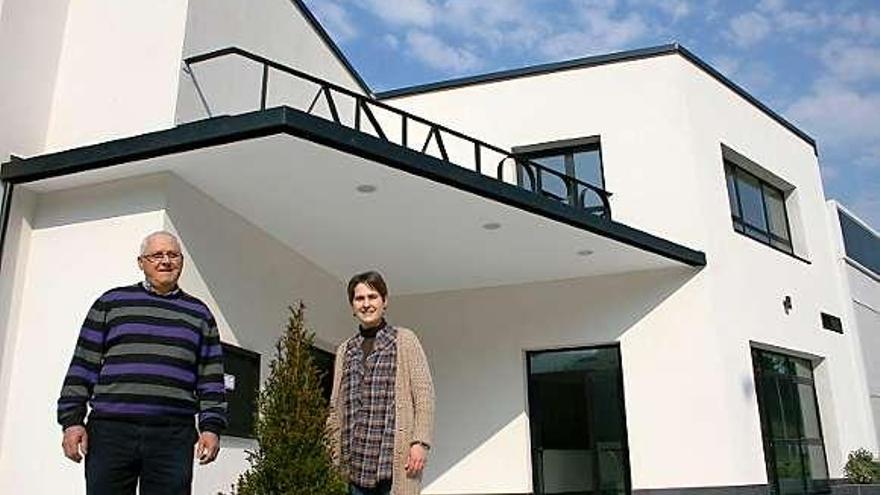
point(118, 71)
point(274, 29)
point(662, 123)
point(84, 241)
point(31, 34)
point(476, 342)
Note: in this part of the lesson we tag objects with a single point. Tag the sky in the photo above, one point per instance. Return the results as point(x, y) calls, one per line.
point(817, 63)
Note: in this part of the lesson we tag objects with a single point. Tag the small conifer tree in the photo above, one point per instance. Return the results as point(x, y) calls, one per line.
point(292, 457)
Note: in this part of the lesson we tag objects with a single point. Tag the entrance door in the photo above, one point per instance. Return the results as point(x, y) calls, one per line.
point(578, 430)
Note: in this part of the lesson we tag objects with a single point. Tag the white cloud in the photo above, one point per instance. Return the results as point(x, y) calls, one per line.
point(748, 29)
point(435, 53)
point(391, 41)
point(597, 29)
point(840, 117)
point(771, 5)
point(407, 13)
point(677, 9)
point(850, 61)
point(727, 65)
point(336, 20)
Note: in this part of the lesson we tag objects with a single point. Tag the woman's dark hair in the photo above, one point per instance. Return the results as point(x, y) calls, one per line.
point(372, 279)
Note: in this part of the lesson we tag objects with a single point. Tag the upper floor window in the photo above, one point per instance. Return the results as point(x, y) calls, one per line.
point(758, 208)
point(579, 159)
point(861, 243)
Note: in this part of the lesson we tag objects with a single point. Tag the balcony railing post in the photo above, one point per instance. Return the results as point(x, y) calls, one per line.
point(403, 132)
point(477, 152)
point(265, 87)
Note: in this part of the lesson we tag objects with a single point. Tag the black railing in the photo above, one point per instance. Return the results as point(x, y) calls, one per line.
point(526, 173)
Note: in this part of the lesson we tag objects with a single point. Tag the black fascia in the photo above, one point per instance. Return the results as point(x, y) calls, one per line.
point(5, 213)
point(304, 9)
point(286, 120)
point(593, 61)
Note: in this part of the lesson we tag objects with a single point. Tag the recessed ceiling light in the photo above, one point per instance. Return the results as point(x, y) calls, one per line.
point(492, 226)
point(366, 188)
point(584, 252)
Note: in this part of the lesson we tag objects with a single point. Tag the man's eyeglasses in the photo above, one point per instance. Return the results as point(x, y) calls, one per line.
point(156, 258)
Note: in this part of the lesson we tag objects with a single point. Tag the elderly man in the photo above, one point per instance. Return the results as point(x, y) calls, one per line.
point(147, 360)
point(382, 405)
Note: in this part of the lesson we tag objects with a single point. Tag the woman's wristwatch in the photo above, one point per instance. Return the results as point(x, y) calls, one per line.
point(423, 444)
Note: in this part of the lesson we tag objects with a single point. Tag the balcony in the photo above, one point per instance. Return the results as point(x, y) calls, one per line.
point(348, 182)
point(285, 86)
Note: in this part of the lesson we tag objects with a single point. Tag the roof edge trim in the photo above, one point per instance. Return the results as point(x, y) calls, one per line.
point(624, 56)
point(325, 37)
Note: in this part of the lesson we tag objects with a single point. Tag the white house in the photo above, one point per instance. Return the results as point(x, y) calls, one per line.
point(621, 267)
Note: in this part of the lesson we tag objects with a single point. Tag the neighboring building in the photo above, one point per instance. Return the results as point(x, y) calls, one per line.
point(858, 249)
point(668, 337)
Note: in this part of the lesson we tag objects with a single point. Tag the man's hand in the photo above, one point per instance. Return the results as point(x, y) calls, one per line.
point(75, 442)
point(416, 460)
point(207, 447)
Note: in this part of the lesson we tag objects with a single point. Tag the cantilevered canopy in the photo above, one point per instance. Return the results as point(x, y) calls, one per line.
point(349, 201)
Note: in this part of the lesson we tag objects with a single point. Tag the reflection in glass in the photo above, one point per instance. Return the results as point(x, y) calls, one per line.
point(752, 202)
point(792, 434)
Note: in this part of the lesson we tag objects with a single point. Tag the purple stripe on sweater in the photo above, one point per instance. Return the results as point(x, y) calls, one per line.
point(93, 336)
point(211, 387)
point(212, 351)
point(158, 331)
point(145, 409)
point(148, 369)
point(77, 370)
point(144, 296)
point(212, 415)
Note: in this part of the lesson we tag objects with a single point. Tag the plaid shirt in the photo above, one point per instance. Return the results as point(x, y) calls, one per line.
point(368, 417)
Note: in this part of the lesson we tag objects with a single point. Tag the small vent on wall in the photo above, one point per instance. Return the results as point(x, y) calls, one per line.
point(831, 322)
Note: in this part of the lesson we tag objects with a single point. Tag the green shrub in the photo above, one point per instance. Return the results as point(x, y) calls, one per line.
point(860, 467)
point(292, 457)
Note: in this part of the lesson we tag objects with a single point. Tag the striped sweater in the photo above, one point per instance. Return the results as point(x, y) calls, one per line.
point(146, 358)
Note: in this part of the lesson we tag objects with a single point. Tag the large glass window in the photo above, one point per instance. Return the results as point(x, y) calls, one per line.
point(578, 159)
point(577, 422)
point(861, 244)
point(758, 208)
point(793, 448)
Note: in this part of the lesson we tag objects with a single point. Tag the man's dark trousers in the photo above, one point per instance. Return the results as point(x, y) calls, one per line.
point(121, 453)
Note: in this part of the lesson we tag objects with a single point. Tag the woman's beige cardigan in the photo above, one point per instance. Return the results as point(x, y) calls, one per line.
point(413, 404)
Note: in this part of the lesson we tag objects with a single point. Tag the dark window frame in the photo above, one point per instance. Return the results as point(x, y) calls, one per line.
point(741, 226)
point(769, 439)
point(566, 148)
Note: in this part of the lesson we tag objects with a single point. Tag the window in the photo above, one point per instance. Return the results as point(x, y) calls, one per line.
point(794, 451)
point(758, 208)
point(242, 383)
point(860, 243)
point(580, 159)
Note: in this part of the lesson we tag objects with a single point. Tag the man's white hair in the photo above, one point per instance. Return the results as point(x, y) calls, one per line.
point(158, 233)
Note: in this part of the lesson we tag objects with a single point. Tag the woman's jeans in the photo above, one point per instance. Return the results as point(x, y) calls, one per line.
point(383, 488)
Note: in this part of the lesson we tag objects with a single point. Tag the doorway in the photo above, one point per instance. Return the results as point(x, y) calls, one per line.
point(578, 426)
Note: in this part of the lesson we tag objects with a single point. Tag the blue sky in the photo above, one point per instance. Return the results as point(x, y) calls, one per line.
point(815, 62)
